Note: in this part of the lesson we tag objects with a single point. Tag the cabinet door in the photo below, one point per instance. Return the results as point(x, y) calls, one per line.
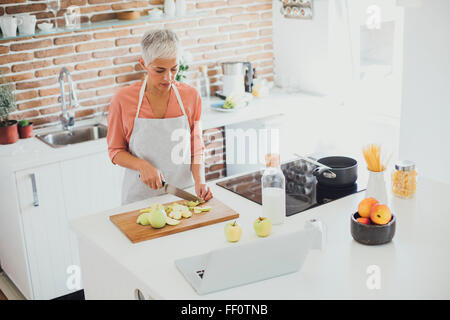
point(91, 184)
point(45, 227)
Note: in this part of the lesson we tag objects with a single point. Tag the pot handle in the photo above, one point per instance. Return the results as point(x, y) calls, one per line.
point(327, 173)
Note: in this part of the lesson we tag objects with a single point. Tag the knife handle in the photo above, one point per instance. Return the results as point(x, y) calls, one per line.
point(162, 181)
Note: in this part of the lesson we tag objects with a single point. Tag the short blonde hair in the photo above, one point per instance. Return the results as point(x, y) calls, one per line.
point(160, 43)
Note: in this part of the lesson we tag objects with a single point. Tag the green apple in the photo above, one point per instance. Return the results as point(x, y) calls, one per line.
point(157, 217)
point(204, 209)
point(172, 222)
point(233, 232)
point(192, 204)
point(175, 215)
point(143, 219)
point(262, 226)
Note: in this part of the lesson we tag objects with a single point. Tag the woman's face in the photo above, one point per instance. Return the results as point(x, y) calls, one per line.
point(161, 72)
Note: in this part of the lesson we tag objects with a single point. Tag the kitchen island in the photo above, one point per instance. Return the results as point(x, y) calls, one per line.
point(413, 266)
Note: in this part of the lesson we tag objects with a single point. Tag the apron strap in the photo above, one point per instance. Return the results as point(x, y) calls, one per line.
point(141, 96)
point(180, 102)
point(177, 94)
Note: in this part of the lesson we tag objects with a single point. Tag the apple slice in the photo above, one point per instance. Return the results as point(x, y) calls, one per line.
point(197, 210)
point(175, 215)
point(204, 209)
point(172, 222)
point(186, 214)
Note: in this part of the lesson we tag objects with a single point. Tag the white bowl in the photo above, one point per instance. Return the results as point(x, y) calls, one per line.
point(155, 13)
point(45, 26)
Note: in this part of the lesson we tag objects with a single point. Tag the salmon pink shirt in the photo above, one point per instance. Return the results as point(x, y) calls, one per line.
point(123, 108)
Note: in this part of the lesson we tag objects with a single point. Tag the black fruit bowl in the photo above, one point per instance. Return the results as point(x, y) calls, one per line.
point(372, 234)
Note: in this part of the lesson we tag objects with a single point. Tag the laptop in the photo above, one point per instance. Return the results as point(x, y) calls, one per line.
point(247, 262)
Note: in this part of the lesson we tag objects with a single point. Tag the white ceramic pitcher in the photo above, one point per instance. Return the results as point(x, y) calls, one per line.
point(9, 25)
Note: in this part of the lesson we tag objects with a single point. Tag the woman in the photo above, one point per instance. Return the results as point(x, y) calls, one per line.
point(154, 125)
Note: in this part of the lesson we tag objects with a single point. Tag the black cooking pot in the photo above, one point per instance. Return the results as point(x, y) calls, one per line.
point(342, 171)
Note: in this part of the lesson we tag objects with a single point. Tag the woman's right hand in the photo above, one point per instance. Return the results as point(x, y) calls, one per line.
point(150, 175)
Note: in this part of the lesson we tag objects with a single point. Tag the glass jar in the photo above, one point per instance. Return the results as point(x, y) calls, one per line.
point(273, 190)
point(404, 179)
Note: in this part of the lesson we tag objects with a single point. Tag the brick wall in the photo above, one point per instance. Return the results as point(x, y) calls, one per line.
point(103, 60)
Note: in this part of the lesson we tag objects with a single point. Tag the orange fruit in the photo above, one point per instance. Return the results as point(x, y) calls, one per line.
point(365, 206)
point(363, 220)
point(380, 214)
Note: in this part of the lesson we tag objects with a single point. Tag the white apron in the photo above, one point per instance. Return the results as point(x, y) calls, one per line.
point(151, 139)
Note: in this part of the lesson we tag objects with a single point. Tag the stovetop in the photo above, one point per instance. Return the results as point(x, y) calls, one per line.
point(302, 190)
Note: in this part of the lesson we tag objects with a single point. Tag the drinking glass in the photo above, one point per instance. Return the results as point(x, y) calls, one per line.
point(54, 6)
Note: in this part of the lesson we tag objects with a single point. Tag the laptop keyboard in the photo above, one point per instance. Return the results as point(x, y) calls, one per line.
point(200, 273)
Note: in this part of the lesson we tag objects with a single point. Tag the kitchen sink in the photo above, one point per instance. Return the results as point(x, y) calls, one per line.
point(76, 135)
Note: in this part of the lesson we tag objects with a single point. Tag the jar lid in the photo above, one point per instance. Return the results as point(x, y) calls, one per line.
point(405, 165)
point(272, 160)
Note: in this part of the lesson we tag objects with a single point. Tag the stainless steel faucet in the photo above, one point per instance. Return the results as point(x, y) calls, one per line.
point(67, 117)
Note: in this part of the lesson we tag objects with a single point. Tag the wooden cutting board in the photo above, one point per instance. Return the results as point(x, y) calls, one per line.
point(126, 222)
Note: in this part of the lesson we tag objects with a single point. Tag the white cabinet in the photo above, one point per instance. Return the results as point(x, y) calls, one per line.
point(37, 245)
point(45, 229)
point(94, 188)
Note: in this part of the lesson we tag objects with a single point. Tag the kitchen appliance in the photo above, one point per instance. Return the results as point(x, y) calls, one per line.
point(234, 78)
point(302, 188)
point(126, 222)
point(211, 272)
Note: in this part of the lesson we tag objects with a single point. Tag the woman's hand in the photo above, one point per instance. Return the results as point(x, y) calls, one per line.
point(203, 191)
point(150, 175)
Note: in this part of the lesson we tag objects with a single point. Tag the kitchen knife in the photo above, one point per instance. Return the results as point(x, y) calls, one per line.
point(180, 193)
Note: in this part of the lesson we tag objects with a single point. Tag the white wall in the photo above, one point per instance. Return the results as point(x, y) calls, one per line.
point(301, 49)
point(424, 125)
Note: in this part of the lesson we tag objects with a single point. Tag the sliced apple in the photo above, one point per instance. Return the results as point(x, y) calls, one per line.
point(191, 204)
point(186, 214)
point(172, 222)
point(204, 209)
point(143, 219)
point(196, 210)
point(175, 215)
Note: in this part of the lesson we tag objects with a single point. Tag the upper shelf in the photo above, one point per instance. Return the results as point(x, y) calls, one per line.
point(100, 24)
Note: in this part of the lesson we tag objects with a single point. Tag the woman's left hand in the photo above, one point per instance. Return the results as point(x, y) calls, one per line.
point(203, 191)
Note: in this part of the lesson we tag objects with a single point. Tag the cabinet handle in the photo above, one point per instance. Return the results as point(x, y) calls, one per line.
point(35, 195)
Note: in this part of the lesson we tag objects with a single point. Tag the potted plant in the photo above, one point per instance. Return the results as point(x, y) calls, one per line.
point(25, 129)
point(8, 128)
point(186, 58)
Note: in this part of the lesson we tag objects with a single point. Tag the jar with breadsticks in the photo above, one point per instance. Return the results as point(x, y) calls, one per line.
point(404, 179)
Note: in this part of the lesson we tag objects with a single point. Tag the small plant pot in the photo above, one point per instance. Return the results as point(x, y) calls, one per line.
point(9, 134)
point(26, 132)
point(372, 234)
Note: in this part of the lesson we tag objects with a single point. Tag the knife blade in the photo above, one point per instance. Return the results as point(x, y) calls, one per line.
point(180, 193)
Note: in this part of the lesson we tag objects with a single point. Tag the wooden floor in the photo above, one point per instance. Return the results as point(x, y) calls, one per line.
point(8, 291)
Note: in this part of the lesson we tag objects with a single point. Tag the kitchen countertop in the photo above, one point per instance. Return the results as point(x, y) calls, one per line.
point(413, 266)
point(32, 152)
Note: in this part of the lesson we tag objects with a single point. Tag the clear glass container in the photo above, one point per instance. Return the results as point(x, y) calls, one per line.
point(203, 88)
point(273, 185)
point(404, 179)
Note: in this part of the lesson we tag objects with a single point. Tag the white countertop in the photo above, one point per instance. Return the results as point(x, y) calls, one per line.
point(32, 152)
point(413, 266)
